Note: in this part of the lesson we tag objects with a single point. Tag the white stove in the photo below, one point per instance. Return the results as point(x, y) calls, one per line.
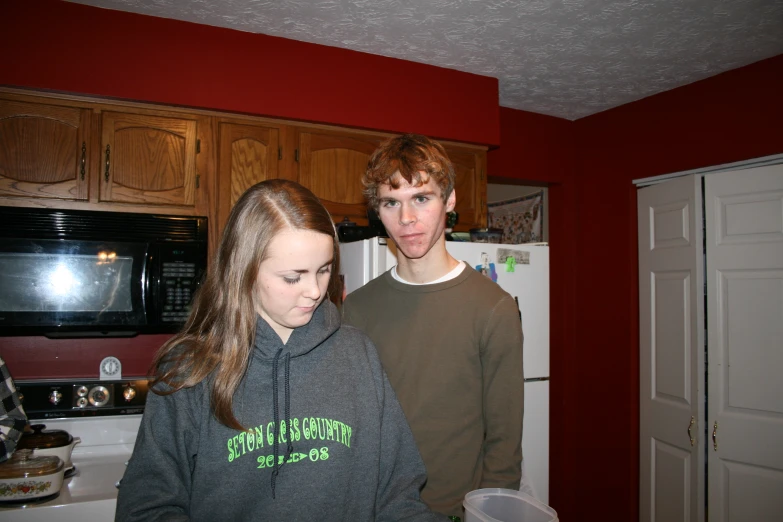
point(90, 492)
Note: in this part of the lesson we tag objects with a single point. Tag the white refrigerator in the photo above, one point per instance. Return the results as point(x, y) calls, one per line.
point(362, 261)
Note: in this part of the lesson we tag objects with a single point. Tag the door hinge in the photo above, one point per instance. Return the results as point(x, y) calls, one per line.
point(198, 146)
point(198, 180)
point(296, 155)
point(279, 153)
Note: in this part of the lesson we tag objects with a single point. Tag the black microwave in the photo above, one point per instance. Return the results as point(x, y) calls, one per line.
point(78, 273)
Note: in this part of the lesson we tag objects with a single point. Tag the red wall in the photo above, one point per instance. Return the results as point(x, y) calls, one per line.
point(533, 147)
point(82, 49)
point(594, 421)
point(42, 358)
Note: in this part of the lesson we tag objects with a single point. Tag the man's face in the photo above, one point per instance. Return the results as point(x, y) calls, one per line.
point(414, 217)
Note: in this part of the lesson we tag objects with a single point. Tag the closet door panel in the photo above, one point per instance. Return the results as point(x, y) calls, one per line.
point(671, 359)
point(745, 326)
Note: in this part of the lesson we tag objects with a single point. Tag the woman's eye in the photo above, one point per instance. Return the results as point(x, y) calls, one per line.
point(291, 281)
point(325, 270)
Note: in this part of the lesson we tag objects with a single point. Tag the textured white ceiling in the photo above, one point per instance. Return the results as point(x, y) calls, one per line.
point(565, 58)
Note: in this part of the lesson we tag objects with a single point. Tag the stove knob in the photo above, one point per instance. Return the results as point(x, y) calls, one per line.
point(55, 397)
point(81, 402)
point(82, 391)
point(129, 393)
point(99, 396)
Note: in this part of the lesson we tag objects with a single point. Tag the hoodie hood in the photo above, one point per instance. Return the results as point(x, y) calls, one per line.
point(324, 323)
point(304, 339)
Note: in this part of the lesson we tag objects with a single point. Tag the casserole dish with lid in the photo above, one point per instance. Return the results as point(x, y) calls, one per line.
point(49, 443)
point(25, 476)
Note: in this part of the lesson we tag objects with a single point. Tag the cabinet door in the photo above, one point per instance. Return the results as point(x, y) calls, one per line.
point(44, 150)
point(247, 154)
point(148, 159)
point(471, 187)
point(331, 165)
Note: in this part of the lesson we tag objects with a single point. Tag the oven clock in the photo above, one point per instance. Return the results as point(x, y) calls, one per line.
point(111, 368)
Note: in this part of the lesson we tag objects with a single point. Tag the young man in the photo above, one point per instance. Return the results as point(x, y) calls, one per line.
point(449, 338)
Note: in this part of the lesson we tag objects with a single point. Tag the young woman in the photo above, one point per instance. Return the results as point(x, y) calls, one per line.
point(265, 407)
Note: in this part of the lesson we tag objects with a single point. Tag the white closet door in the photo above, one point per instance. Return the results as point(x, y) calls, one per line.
point(671, 364)
point(745, 344)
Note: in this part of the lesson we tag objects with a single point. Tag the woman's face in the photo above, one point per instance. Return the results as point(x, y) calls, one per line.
point(292, 280)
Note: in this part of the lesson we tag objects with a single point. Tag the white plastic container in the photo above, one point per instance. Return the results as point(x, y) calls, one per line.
point(505, 505)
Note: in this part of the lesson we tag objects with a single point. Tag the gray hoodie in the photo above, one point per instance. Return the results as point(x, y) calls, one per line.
point(344, 451)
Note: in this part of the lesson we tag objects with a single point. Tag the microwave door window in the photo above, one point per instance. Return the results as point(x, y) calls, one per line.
point(65, 283)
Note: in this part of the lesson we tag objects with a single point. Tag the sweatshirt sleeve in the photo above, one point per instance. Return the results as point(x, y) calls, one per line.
point(501, 358)
point(402, 473)
point(157, 482)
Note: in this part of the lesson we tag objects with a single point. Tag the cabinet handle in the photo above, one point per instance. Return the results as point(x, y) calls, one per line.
point(715, 436)
point(106, 174)
point(84, 158)
point(690, 427)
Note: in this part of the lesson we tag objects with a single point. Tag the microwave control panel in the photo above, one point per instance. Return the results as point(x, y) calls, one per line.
point(178, 282)
point(181, 269)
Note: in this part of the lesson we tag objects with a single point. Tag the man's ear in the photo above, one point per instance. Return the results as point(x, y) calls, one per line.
point(451, 201)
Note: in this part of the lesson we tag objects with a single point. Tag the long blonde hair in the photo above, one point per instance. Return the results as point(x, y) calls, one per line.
point(219, 334)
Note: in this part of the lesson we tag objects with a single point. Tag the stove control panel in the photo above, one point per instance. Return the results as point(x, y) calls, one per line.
point(84, 398)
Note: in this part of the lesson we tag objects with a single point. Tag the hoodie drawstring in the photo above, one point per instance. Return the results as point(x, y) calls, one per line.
point(290, 448)
point(276, 411)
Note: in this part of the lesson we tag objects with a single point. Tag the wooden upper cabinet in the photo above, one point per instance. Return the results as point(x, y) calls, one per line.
point(148, 159)
point(331, 165)
point(44, 150)
point(247, 154)
point(471, 186)
point(91, 154)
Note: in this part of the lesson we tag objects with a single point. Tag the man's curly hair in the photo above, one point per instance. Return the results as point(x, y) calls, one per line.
point(417, 159)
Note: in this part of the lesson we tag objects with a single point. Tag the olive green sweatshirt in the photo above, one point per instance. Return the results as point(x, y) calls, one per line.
point(453, 354)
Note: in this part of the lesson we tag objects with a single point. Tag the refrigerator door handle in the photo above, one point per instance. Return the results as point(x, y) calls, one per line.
point(536, 379)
